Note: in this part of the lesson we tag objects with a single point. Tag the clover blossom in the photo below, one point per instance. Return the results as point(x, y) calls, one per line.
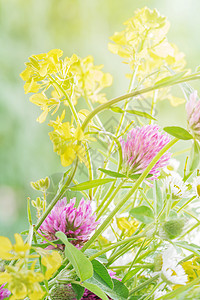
point(193, 115)
point(142, 145)
point(76, 223)
point(4, 293)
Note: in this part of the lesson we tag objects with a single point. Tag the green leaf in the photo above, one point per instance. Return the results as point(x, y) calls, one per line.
point(117, 109)
point(169, 79)
point(191, 247)
point(101, 273)
point(112, 173)
point(143, 214)
point(89, 184)
point(120, 175)
point(119, 292)
point(132, 111)
point(141, 114)
point(96, 290)
point(178, 132)
point(79, 290)
point(120, 289)
point(194, 156)
point(130, 274)
point(80, 262)
point(136, 176)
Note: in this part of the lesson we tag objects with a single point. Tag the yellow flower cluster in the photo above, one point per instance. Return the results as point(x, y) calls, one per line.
point(69, 142)
point(90, 80)
point(54, 80)
point(144, 46)
point(19, 250)
point(23, 282)
point(22, 279)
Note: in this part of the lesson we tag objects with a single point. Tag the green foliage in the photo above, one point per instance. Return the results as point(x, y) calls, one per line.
point(80, 262)
point(178, 132)
point(143, 214)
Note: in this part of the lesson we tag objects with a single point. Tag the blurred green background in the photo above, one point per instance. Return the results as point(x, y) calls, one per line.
point(76, 26)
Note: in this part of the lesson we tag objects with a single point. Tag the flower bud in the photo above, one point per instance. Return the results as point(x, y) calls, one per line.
point(173, 228)
point(41, 184)
point(62, 291)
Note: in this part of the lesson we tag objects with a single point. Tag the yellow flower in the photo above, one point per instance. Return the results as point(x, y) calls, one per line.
point(192, 268)
point(23, 282)
point(145, 47)
point(45, 104)
point(17, 251)
point(52, 261)
point(69, 142)
point(39, 66)
point(55, 80)
point(129, 227)
point(90, 80)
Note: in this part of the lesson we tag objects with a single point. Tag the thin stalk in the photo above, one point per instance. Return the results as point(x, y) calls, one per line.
point(180, 290)
point(109, 192)
point(110, 199)
point(186, 203)
point(70, 103)
point(57, 196)
point(130, 193)
point(153, 105)
point(117, 244)
point(152, 292)
point(133, 94)
point(90, 170)
point(141, 286)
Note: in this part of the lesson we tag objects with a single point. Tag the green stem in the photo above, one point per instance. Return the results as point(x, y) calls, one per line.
point(130, 193)
point(141, 286)
point(57, 197)
point(109, 192)
point(153, 105)
point(133, 94)
point(110, 199)
point(90, 170)
point(186, 203)
point(180, 290)
point(152, 292)
point(115, 245)
point(69, 101)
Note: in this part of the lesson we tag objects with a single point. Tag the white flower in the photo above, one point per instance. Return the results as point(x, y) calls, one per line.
point(172, 166)
point(175, 184)
point(196, 186)
point(171, 272)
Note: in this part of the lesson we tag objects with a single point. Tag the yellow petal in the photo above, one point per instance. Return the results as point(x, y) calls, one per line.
point(19, 291)
point(68, 157)
point(43, 116)
point(31, 87)
point(4, 277)
point(25, 75)
point(5, 244)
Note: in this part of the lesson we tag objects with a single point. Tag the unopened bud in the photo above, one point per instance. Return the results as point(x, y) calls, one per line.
point(173, 228)
point(62, 291)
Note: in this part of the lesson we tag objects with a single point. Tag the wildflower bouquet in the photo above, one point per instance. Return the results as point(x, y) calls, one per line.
point(130, 229)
